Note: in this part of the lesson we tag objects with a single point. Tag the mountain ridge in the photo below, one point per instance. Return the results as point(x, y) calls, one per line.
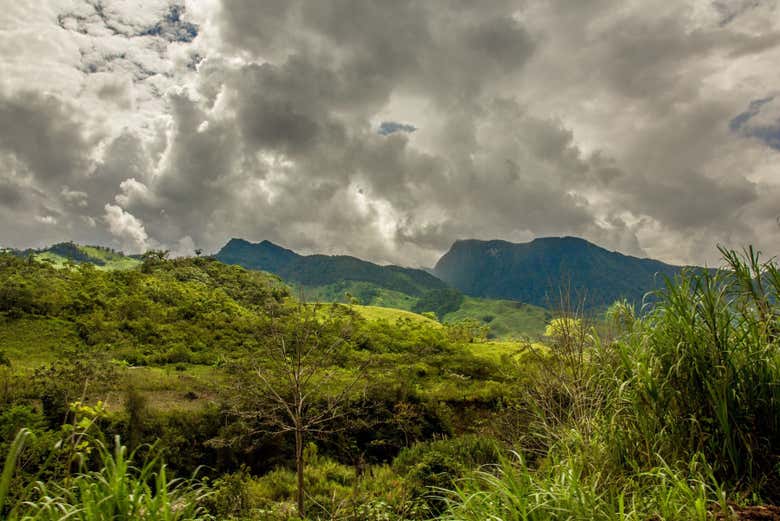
point(321, 270)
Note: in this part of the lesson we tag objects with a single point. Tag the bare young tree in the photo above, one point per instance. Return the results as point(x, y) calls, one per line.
point(301, 384)
point(566, 394)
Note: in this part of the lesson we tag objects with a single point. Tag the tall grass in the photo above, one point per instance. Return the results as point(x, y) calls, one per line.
point(660, 421)
point(10, 465)
point(567, 489)
point(701, 373)
point(118, 490)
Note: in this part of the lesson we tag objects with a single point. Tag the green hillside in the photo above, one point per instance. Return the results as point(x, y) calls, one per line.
point(101, 257)
point(190, 362)
point(506, 318)
point(392, 316)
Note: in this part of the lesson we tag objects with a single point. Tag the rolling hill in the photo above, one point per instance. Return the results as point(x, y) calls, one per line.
point(537, 272)
point(61, 253)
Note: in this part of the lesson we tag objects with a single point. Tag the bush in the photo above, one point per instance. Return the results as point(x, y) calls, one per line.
point(470, 451)
point(231, 496)
point(430, 467)
point(177, 354)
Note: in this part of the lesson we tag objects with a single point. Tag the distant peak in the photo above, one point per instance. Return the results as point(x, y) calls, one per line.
point(570, 238)
point(537, 240)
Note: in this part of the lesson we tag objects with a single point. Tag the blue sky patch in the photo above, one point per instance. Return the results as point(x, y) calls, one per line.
point(173, 28)
point(768, 133)
point(390, 127)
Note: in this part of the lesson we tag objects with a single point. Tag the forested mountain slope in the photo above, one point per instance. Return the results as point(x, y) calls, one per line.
point(537, 271)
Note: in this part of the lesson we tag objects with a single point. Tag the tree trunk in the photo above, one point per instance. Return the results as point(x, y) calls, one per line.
point(299, 471)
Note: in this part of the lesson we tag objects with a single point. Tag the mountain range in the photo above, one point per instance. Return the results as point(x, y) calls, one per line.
point(537, 272)
point(508, 286)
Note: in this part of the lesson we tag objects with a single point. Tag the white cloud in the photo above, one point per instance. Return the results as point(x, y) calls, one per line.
point(46, 219)
point(126, 228)
point(133, 192)
point(186, 122)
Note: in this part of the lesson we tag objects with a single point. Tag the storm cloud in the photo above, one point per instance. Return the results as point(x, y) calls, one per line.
point(387, 130)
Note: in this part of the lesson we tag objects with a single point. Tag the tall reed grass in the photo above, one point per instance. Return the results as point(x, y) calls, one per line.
point(117, 491)
point(669, 418)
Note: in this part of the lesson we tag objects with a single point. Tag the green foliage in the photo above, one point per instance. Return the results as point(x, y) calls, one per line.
point(69, 379)
point(391, 315)
point(364, 293)
point(671, 414)
point(67, 254)
point(470, 451)
point(231, 497)
point(165, 315)
point(673, 419)
point(431, 467)
point(620, 316)
point(566, 329)
point(467, 331)
point(9, 466)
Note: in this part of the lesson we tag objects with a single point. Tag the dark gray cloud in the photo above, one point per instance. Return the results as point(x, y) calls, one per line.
point(389, 129)
point(40, 132)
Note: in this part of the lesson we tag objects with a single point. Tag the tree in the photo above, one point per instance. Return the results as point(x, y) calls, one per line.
point(299, 383)
point(468, 330)
point(563, 328)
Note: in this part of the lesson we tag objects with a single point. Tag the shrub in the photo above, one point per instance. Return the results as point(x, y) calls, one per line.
point(470, 451)
point(231, 496)
point(430, 467)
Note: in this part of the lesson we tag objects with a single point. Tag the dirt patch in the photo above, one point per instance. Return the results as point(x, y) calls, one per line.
point(761, 513)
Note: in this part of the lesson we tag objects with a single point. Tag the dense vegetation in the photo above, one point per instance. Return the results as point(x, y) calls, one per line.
point(537, 272)
point(672, 414)
point(172, 350)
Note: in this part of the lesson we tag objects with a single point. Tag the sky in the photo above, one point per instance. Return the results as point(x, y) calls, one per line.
point(389, 129)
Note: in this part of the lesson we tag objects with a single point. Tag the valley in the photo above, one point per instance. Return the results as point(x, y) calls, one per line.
point(420, 387)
